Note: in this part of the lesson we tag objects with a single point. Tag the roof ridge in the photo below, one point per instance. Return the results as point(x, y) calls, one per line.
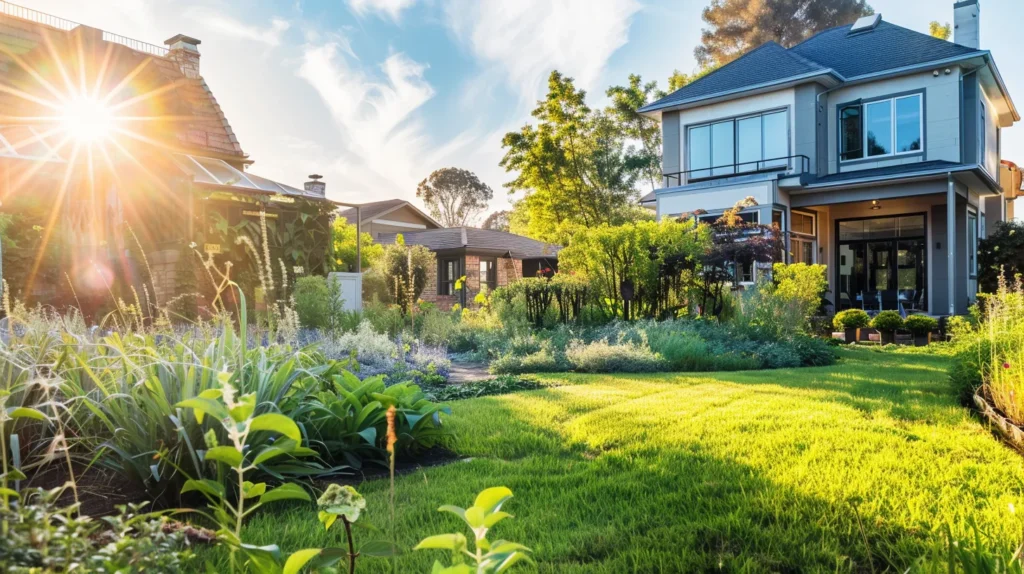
point(767, 44)
point(806, 60)
point(819, 33)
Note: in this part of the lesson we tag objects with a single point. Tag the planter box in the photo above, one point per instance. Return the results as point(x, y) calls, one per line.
point(1010, 432)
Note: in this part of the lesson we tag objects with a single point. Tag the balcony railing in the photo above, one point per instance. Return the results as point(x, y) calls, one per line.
point(788, 163)
point(22, 13)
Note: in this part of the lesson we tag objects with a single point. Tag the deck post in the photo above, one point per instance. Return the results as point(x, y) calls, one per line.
point(359, 241)
point(951, 246)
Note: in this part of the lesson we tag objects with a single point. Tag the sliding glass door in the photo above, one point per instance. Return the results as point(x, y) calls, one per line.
point(882, 263)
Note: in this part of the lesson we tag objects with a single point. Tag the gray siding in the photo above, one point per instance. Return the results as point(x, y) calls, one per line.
point(970, 115)
point(805, 123)
point(670, 153)
point(940, 269)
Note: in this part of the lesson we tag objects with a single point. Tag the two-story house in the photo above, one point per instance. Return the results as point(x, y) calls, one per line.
point(874, 148)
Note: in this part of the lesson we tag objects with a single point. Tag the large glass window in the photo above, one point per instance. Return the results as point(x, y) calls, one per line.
point(803, 223)
point(882, 264)
point(881, 128)
point(449, 271)
point(700, 151)
point(489, 273)
point(739, 146)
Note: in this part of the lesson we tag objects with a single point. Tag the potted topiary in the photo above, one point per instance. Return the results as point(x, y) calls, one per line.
point(851, 321)
point(887, 323)
point(921, 326)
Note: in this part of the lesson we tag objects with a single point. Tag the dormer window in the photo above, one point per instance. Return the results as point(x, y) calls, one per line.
point(880, 128)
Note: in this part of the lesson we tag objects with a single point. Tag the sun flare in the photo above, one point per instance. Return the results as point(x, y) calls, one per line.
point(87, 119)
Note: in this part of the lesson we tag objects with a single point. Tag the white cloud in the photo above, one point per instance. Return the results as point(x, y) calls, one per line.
point(227, 26)
point(391, 8)
point(526, 39)
point(386, 150)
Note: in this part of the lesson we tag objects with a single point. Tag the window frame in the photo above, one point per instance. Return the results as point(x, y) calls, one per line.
point(715, 171)
point(446, 285)
point(972, 250)
point(486, 280)
point(893, 124)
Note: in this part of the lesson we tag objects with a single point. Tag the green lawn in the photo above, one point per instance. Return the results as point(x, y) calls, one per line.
point(754, 471)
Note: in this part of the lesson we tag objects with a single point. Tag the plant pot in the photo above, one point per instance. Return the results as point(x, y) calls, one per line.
point(922, 339)
point(888, 337)
point(850, 335)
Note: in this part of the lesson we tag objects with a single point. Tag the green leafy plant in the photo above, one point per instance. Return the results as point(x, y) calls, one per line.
point(921, 324)
point(851, 319)
point(487, 557)
point(887, 321)
point(234, 460)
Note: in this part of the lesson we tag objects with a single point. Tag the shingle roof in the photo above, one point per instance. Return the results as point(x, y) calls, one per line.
point(835, 51)
point(886, 47)
point(473, 238)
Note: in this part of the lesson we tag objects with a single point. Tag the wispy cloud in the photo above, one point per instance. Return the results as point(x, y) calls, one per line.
point(526, 39)
point(222, 24)
point(390, 8)
point(386, 149)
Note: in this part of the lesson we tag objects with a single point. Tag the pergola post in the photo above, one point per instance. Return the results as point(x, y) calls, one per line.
point(359, 240)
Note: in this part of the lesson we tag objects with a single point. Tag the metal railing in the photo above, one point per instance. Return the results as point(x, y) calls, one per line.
point(22, 13)
point(745, 168)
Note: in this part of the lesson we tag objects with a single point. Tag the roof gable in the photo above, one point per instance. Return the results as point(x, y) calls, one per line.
point(373, 210)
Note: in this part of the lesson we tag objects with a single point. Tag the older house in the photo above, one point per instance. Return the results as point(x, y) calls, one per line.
point(108, 175)
point(874, 148)
point(485, 257)
point(389, 216)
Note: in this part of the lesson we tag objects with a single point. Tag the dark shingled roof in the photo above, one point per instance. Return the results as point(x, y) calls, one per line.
point(472, 238)
point(835, 51)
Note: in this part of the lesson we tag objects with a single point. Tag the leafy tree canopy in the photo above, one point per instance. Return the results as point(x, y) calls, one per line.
point(736, 26)
point(454, 196)
point(940, 31)
point(344, 238)
point(571, 167)
point(498, 221)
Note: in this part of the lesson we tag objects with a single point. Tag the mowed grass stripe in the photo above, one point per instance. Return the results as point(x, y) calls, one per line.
point(760, 471)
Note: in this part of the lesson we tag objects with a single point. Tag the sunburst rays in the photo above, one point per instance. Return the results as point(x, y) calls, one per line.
point(104, 109)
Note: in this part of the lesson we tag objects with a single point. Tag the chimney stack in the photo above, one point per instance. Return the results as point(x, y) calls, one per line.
point(184, 51)
point(967, 24)
point(314, 185)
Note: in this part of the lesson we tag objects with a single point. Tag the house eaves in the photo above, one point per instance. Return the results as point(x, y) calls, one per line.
point(926, 175)
point(829, 78)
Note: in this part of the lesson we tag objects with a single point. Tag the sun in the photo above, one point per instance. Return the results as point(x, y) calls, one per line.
point(87, 119)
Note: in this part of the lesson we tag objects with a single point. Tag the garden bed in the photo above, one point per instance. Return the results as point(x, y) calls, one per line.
point(1009, 431)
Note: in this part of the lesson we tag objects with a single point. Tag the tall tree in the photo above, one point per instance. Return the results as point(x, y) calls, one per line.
point(454, 196)
point(940, 31)
point(736, 26)
point(498, 221)
point(625, 106)
point(572, 167)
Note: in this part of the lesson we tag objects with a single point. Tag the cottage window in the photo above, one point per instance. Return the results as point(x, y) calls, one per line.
point(741, 145)
point(489, 273)
point(449, 271)
point(881, 128)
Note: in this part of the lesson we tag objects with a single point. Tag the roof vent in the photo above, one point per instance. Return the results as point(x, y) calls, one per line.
point(315, 185)
point(866, 23)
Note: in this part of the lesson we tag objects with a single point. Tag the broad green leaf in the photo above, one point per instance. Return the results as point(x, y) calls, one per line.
point(254, 490)
point(299, 559)
point(203, 406)
point(379, 548)
point(269, 453)
point(9, 492)
point(25, 413)
point(454, 542)
point(495, 517)
point(327, 519)
point(491, 499)
point(287, 491)
point(511, 560)
point(475, 517)
point(205, 485)
point(226, 454)
point(457, 569)
point(369, 435)
point(277, 423)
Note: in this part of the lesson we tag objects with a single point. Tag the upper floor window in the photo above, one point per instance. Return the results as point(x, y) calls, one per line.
point(740, 145)
point(881, 128)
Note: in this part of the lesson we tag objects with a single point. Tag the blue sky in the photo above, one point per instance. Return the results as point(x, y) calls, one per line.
point(376, 94)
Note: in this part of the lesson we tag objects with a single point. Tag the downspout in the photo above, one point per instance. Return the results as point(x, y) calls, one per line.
point(951, 246)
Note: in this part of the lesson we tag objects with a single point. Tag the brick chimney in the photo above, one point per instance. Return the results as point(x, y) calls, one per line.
point(184, 51)
point(967, 24)
point(314, 185)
